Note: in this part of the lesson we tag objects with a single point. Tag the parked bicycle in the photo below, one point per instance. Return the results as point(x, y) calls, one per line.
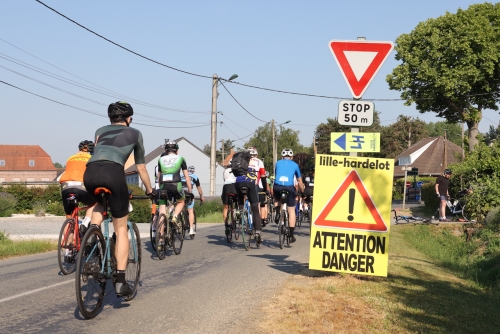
point(70, 238)
point(408, 219)
point(457, 207)
point(233, 225)
point(96, 263)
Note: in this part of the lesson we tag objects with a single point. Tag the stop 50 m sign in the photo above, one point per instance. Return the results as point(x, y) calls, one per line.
point(356, 113)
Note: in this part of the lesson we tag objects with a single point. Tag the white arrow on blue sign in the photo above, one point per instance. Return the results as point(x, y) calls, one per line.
point(419, 184)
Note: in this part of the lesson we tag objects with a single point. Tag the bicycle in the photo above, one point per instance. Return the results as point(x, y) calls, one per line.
point(155, 211)
point(408, 219)
point(96, 263)
point(171, 233)
point(283, 224)
point(233, 225)
point(271, 215)
point(456, 206)
point(70, 238)
point(245, 216)
point(299, 214)
point(187, 226)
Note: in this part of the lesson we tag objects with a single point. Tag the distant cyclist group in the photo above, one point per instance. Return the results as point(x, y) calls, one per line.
point(95, 177)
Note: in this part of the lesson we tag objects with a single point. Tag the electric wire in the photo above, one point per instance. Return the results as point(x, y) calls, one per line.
point(241, 105)
point(234, 122)
point(97, 114)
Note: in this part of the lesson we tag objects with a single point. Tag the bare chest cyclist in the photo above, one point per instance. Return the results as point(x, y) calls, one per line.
point(114, 144)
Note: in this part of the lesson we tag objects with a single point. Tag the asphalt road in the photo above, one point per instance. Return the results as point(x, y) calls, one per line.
point(211, 287)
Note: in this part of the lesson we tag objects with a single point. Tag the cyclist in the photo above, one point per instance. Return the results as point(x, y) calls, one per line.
point(114, 143)
point(170, 166)
point(252, 179)
point(286, 172)
point(194, 181)
point(228, 188)
point(309, 188)
point(72, 183)
point(442, 193)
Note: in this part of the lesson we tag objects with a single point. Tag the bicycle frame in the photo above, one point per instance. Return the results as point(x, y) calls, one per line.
point(76, 230)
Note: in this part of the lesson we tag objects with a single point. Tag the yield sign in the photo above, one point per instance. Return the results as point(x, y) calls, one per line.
point(348, 221)
point(359, 61)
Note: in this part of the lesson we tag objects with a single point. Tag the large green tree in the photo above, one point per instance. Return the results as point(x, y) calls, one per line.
point(450, 65)
point(262, 140)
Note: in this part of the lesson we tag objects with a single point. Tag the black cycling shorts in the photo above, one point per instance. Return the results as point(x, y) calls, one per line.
point(228, 189)
point(83, 196)
point(291, 201)
point(109, 175)
point(262, 197)
point(174, 190)
point(252, 192)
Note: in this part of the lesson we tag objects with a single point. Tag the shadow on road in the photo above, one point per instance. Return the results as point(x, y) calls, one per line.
point(280, 262)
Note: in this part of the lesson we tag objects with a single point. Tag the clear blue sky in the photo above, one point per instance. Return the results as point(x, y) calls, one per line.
point(281, 45)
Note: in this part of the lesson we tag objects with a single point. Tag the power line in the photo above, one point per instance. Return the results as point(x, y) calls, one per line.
point(241, 105)
point(235, 122)
point(97, 114)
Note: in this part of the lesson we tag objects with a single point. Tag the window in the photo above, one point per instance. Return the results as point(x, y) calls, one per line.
point(32, 163)
point(30, 179)
point(16, 179)
point(2, 179)
point(2, 162)
point(45, 179)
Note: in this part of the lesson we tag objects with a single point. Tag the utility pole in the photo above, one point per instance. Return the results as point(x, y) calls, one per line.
point(213, 141)
point(274, 146)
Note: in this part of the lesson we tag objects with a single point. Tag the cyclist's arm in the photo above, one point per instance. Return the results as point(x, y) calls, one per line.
point(143, 174)
point(437, 188)
point(188, 181)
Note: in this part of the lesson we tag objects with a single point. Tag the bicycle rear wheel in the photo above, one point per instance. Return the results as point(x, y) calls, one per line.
point(180, 236)
point(228, 225)
point(281, 229)
point(244, 228)
point(133, 271)
point(236, 226)
point(161, 242)
point(152, 231)
point(466, 213)
point(299, 219)
point(66, 252)
point(90, 282)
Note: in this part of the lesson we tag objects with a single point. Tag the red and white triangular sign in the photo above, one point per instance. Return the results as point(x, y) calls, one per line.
point(359, 61)
point(353, 177)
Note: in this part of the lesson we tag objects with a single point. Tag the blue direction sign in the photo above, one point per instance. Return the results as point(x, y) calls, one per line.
point(355, 142)
point(419, 184)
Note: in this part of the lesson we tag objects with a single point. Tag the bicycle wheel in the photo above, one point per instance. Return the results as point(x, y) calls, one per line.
point(152, 231)
point(66, 252)
point(465, 212)
point(161, 239)
point(90, 282)
point(281, 229)
point(180, 236)
point(299, 219)
point(244, 229)
point(236, 226)
point(287, 231)
point(133, 271)
point(194, 225)
point(228, 224)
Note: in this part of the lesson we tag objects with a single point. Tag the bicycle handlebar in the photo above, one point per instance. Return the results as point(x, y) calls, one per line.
point(141, 197)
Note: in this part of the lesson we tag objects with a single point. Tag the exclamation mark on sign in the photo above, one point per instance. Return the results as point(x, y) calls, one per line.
point(352, 192)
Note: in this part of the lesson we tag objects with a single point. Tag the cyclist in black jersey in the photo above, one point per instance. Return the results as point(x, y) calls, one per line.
point(113, 145)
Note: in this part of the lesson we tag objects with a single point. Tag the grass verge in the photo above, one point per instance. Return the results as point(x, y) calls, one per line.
point(9, 248)
point(212, 217)
point(418, 296)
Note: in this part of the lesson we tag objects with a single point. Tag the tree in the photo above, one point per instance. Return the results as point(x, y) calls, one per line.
point(262, 140)
point(57, 165)
point(453, 131)
point(492, 135)
point(228, 145)
point(323, 131)
point(451, 66)
point(398, 137)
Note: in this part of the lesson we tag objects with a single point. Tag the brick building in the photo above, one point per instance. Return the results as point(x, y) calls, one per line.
point(25, 163)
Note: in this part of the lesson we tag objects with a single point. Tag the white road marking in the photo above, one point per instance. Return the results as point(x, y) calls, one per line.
point(35, 291)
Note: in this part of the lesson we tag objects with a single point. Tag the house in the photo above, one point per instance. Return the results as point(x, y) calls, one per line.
point(194, 157)
point(25, 163)
point(430, 155)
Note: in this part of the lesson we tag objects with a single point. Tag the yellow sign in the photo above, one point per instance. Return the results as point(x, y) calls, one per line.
point(354, 142)
point(351, 215)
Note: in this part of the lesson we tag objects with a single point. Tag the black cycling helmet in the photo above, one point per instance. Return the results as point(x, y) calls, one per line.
point(89, 145)
point(447, 171)
point(119, 111)
point(171, 146)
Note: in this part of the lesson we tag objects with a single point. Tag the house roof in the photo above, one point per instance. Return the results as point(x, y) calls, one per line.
point(428, 156)
point(17, 157)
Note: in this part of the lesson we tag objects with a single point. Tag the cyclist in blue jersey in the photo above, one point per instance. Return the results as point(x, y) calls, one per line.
point(286, 171)
point(195, 181)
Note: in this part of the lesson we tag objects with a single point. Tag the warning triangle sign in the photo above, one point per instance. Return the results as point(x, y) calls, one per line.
point(347, 211)
point(359, 61)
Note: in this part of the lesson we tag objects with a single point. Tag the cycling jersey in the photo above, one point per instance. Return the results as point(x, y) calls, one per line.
point(286, 171)
point(170, 166)
point(195, 181)
point(116, 142)
point(228, 176)
point(255, 171)
point(75, 167)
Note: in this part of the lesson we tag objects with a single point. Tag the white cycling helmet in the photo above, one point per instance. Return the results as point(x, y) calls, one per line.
point(253, 151)
point(287, 152)
point(191, 169)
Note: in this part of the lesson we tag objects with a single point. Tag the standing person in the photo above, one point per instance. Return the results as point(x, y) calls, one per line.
point(114, 143)
point(195, 181)
point(442, 193)
point(170, 167)
point(228, 188)
point(286, 172)
point(250, 178)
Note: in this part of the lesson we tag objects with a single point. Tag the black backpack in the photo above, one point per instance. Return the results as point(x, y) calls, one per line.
point(239, 163)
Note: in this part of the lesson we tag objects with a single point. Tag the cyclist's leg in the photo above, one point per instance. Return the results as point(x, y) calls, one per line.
point(442, 208)
point(291, 206)
point(254, 203)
